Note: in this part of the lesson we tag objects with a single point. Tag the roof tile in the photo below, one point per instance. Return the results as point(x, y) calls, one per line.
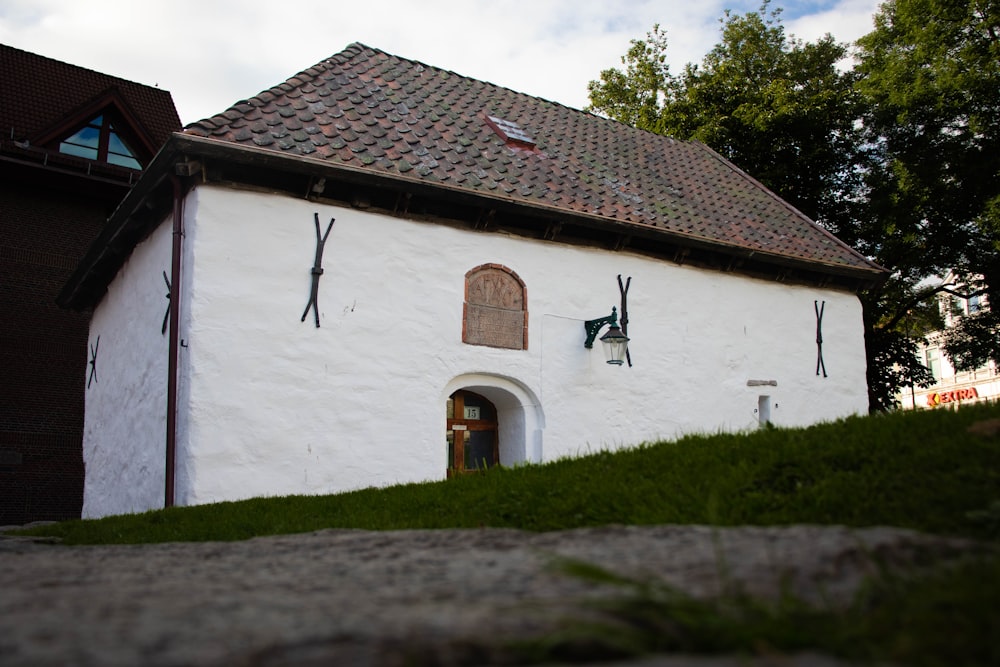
point(404, 119)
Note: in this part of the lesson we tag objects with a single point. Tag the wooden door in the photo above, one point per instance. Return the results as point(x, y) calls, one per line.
point(473, 443)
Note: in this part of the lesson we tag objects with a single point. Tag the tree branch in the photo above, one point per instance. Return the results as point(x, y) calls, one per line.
point(907, 306)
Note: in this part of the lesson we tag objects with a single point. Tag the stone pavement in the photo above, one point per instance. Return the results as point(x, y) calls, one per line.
point(442, 597)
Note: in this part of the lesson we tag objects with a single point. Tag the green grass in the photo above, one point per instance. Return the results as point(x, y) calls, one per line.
point(920, 470)
point(946, 618)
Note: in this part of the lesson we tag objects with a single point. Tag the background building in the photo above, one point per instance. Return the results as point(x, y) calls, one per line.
point(952, 388)
point(72, 143)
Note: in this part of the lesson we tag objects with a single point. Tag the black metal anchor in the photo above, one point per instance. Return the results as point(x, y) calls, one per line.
point(624, 319)
point(93, 361)
point(818, 307)
point(317, 271)
point(166, 315)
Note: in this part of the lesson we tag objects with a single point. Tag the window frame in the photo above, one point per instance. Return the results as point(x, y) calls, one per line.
point(107, 130)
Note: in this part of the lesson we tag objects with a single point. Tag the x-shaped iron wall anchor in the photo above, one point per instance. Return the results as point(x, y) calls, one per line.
point(93, 361)
point(166, 315)
point(624, 319)
point(317, 271)
point(819, 307)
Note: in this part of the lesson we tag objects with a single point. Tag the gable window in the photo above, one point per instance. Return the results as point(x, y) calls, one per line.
point(99, 140)
point(495, 313)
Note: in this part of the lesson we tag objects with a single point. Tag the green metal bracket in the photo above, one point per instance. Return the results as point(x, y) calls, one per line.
point(593, 327)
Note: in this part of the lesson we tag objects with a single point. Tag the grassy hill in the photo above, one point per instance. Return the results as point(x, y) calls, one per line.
point(936, 471)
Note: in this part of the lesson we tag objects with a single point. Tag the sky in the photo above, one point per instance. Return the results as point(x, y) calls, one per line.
point(211, 54)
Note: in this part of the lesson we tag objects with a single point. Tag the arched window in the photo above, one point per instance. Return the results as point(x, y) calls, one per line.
point(496, 308)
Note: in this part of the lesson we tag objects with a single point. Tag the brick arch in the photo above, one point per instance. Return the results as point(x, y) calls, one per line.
point(495, 312)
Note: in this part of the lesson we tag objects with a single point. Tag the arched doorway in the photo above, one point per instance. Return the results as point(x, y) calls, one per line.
point(473, 433)
point(520, 420)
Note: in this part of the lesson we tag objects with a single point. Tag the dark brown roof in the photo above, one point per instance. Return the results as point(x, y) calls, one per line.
point(369, 110)
point(39, 94)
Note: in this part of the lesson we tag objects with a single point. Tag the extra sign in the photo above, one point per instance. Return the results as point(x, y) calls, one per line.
point(937, 398)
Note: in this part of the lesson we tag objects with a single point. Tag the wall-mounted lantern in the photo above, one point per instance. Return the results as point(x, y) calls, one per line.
point(615, 342)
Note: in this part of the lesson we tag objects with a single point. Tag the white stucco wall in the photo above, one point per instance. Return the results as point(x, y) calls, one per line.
point(125, 419)
point(277, 406)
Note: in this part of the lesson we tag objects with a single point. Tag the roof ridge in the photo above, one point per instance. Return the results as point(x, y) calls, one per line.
point(357, 48)
point(304, 76)
point(467, 77)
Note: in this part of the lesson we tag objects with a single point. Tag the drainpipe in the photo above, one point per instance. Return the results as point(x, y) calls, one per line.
point(174, 340)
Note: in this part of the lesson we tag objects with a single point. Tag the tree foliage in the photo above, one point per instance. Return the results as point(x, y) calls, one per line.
point(775, 106)
point(931, 74)
point(900, 156)
point(636, 96)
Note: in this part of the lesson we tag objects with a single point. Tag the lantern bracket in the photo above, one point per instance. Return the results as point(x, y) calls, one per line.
point(593, 327)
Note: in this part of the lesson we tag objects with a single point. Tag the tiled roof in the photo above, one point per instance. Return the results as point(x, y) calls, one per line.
point(39, 93)
point(367, 109)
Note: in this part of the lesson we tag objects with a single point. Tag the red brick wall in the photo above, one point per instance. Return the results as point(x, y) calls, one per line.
point(44, 231)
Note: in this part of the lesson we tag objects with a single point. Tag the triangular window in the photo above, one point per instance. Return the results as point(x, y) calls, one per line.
point(99, 140)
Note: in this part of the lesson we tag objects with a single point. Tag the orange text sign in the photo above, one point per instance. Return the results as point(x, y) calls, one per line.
point(938, 398)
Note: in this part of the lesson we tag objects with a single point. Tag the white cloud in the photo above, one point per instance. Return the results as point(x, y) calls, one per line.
point(847, 21)
point(212, 53)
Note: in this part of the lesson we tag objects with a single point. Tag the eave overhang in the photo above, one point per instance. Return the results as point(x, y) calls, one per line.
point(197, 160)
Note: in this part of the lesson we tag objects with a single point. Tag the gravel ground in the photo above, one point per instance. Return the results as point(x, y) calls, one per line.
point(444, 597)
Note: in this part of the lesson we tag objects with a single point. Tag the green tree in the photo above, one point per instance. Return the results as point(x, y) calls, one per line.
point(776, 107)
point(930, 73)
point(636, 96)
point(783, 111)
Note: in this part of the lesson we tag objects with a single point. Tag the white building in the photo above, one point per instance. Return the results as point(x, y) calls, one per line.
point(951, 388)
point(470, 232)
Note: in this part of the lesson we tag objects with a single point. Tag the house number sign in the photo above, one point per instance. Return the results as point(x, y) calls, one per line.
point(472, 412)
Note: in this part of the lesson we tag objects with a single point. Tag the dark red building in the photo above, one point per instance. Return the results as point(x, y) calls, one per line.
point(72, 143)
